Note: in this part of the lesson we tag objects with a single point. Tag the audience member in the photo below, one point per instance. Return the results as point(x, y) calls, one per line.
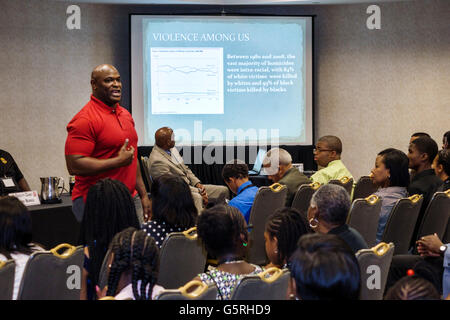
point(412, 288)
point(391, 175)
point(15, 236)
point(327, 155)
point(328, 212)
point(421, 154)
point(432, 264)
point(223, 231)
point(102, 143)
point(441, 166)
point(132, 267)
point(235, 175)
point(416, 135)
point(109, 209)
point(173, 209)
point(165, 158)
point(446, 140)
point(283, 229)
point(277, 164)
point(12, 179)
point(324, 268)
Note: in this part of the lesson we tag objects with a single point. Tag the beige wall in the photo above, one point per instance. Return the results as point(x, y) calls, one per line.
point(373, 87)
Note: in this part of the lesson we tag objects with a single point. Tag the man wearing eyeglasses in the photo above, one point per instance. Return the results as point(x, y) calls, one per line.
point(327, 155)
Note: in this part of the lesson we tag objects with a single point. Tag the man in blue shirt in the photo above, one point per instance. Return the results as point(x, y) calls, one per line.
point(235, 174)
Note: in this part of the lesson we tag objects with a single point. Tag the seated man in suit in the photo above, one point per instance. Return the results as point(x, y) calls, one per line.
point(327, 154)
point(277, 164)
point(235, 174)
point(421, 154)
point(165, 158)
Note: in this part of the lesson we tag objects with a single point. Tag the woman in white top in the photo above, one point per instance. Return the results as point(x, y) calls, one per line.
point(15, 236)
point(132, 267)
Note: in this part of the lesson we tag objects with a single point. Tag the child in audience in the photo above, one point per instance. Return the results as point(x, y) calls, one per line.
point(324, 268)
point(412, 288)
point(15, 236)
point(173, 208)
point(109, 209)
point(283, 229)
point(223, 230)
point(133, 267)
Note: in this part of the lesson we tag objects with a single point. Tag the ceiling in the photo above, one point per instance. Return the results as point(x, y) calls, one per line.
point(232, 2)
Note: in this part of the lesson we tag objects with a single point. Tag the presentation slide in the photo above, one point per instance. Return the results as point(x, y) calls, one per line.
point(222, 80)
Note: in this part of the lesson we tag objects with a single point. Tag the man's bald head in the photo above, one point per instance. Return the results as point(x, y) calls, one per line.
point(164, 138)
point(106, 84)
point(333, 143)
point(101, 68)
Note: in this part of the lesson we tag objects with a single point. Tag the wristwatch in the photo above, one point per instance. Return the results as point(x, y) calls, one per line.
point(442, 250)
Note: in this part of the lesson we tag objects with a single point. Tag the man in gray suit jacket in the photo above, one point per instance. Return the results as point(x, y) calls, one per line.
point(165, 159)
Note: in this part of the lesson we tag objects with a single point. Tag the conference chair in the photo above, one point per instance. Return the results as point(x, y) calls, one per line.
point(182, 257)
point(401, 222)
point(303, 197)
point(103, 275)
point(345, 182)
point(146, 173)
point(51, 275)
point(267, 200)
point(7, 272)
point(193, 290)
point(374, 264)
point(364, 188)
point(271, 284)
point(364, 215)
point(437, 216)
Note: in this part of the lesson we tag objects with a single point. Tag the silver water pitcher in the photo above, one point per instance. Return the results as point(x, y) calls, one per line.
point(51, 189)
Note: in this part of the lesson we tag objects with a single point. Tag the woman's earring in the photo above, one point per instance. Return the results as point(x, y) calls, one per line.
point(315, 221)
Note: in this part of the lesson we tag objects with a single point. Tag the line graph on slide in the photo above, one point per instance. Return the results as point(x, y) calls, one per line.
point(187, 80)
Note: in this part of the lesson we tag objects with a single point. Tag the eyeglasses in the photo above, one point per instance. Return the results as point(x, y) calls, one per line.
point(320, 150)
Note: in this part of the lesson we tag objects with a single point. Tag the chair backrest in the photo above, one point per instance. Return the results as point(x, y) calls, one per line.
point(7, 272)
point(364, 188)
point(437, 216)
point(271, 284)
point(345, 182)
point(50, 275)
point(193, 290)
point(303, 197)
point(401, 222)
point(267, 200)
point(147, 177)
point(364, 215)
point(374, 266)
point(103, 275)
point(182, 257)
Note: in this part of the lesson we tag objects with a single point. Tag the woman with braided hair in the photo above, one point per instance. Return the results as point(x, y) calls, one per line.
point(109, 209)
point(133, 267)
point(284, 228)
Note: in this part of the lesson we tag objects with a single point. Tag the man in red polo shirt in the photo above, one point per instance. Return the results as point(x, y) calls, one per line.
point(102, 143)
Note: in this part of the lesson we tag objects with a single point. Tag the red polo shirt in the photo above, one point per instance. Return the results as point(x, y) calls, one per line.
point(99, 131)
